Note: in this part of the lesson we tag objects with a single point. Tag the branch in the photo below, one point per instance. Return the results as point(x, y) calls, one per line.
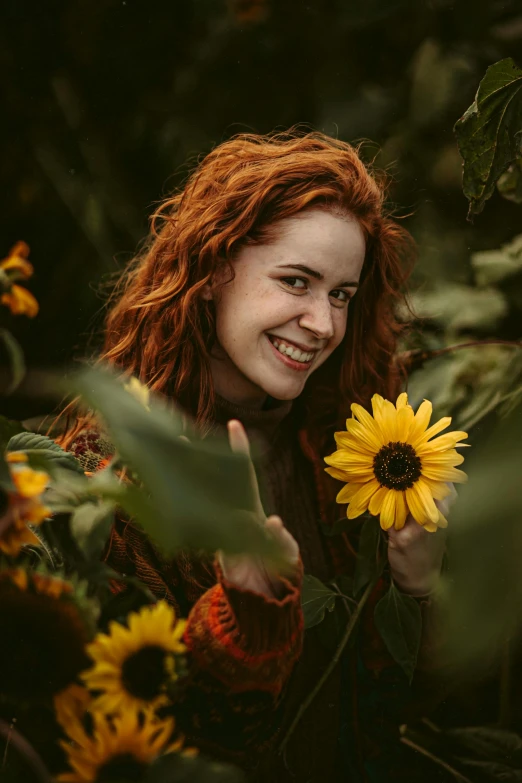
point(331, 666)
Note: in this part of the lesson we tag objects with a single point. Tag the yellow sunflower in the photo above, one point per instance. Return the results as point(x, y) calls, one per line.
point(134, 666)
point(71, 707)
point(22, 507)
point(120, 748)
point(16, 267)
point(393, 464)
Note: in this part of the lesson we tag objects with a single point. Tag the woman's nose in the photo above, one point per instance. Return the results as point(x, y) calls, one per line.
point(317, 318)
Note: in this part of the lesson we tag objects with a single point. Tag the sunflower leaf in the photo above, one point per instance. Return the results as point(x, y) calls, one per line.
point(176, 768)
point(488, 134)
point(370, 562)
point(399, 621)
point(199, 493)
point(316, 599)
point(342, 525)
point(91, 525)
point(43, 452)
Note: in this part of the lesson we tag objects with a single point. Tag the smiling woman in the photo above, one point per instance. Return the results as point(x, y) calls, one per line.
point(264, 301)
point(260, 307)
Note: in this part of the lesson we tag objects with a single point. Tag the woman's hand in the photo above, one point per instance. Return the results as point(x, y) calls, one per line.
point(415, 556)
point(250, 572)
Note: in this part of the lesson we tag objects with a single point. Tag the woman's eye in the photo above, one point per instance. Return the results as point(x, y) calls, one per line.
point(290, 281)
point(345, 296)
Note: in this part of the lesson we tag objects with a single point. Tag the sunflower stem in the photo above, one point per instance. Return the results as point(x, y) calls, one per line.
point(331, 666)
point(25, 749)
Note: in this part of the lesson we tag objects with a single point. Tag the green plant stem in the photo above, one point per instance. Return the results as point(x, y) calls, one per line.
point(436, 760)
point(25, 750)
point(331, 666)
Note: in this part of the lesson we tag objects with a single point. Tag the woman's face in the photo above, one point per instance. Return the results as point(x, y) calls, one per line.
point(285, 311)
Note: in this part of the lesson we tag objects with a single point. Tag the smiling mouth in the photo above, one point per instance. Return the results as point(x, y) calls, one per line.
point(292, 355)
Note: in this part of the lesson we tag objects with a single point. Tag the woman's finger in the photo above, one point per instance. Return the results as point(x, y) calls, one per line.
point(239, 443)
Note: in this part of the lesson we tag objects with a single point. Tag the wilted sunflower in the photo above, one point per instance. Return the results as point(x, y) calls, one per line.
point(120, 748)
point(134, 666)
point(22, 507)
point(392, 466)
point(44, 632)
point(16, 267)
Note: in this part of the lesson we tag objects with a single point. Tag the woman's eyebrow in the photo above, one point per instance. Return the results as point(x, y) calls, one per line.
point(316, 274)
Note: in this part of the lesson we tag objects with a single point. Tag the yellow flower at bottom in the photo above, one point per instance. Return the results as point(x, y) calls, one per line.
point(120, 748)
point(393, 465)
point(134, 666)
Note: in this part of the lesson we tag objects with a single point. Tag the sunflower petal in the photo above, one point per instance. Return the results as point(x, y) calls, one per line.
point(446, 441)
point(405, 419)
point(370, 437)
point(416, 506)
point(336, 473)
point(425, 435)
point(359, 503)
point(375, 504)
point(388, 510)
point(445, 474)
point(421, 421)
point(366, 420)
point(402, 401)
point(401, 510)
point(445, 458)
point(347, 493)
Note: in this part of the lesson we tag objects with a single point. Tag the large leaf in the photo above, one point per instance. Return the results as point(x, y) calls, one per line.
point(316, 599)
point(43, 452)
point(370, 562)
point(483, 594)
point(488, 134)
point(200, 492)
point(399, 621)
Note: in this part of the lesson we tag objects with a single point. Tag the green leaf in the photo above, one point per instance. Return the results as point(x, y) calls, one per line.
point(16, 357)
point(175, 768)
point(487, 742)
point(488, 134)
point(369, 563)
point(509, 184)
point(195, 495)
point(316, 599)
point(91, 525)
point(493, 266)
point(43, 452)
point(8, 428)
point(342, 525)
point(399, 621)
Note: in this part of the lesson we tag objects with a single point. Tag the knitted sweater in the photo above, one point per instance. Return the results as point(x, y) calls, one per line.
point(249, 668)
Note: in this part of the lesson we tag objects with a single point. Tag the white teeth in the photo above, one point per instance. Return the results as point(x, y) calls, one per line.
point(293, 353)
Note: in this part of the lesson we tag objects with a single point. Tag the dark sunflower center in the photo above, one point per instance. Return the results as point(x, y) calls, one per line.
point(121, 769)
point(397, 466)
point(144, 673)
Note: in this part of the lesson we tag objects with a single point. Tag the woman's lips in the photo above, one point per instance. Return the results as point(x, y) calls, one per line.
point(292, 363)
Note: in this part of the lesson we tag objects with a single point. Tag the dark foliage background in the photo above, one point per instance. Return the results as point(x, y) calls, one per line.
point(104, 103)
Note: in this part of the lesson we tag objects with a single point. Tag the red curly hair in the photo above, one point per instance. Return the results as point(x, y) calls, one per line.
point(160, 329)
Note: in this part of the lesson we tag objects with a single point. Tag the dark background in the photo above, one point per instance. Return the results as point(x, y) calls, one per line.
point(105, 102)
